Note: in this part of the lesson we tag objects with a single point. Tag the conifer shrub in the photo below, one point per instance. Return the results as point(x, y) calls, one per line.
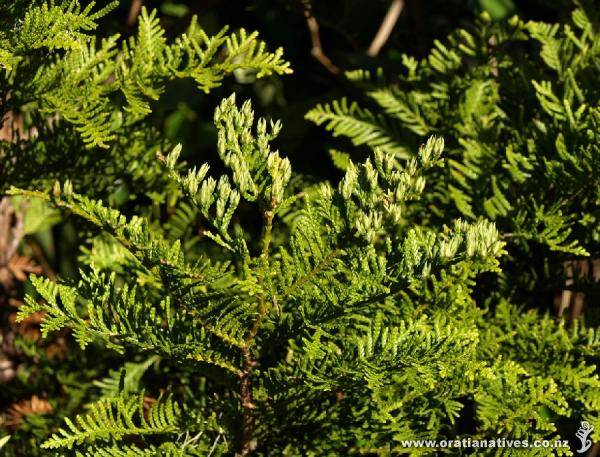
point(517, 104)
point(83, 100)
point(254, 313)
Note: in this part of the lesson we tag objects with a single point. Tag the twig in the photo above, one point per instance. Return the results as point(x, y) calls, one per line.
point(386, 27)
point(565, 298)
point(11, 233)
point(134, 12)
point(315, 38)
point(249, 443)
point(5, 223)
point(12, 226)
point(570, 299)
point(579, 297)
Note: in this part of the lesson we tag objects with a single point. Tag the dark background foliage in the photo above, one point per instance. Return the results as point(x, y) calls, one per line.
point(346, 29)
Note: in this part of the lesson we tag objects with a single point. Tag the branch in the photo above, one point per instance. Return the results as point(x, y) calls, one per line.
point(249, 443)
point(134, 12)
point(386, 27)
point(12, 225)
point(315, 38)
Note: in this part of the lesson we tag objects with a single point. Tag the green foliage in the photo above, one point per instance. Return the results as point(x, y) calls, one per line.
point(77, 90)
point(516, 103)
point(243, 308)
point(311, 294)
point(537, 345)
point(360, 125)
point(115, 419)
point(352, 303)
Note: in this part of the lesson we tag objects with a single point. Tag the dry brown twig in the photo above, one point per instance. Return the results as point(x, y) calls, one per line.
point(386, 27)
point(134, 12)
point(315, 38)
point(570, 303)
point(383, 34)
point(12, 225)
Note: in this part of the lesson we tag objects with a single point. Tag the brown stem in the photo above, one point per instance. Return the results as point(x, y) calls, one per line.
point(248, 443)
point(386, 27)
point(262, 304)
point(12, 227)
point(5, 225)
point(570, 302)
point(18, 229)
point(565, 297)
point(134, 12)
point(315, 38)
